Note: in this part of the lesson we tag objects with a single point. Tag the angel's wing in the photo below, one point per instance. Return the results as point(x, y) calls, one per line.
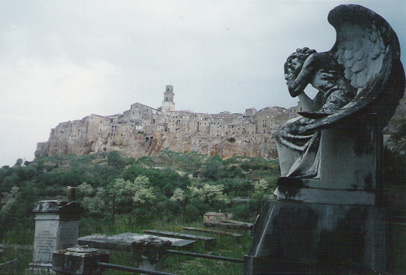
point(368, 49)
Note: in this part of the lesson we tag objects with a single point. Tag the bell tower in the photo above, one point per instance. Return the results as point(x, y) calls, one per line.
point(168, 105)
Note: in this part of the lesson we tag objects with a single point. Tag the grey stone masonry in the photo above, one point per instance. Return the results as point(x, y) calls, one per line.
point(79, 260)
point(56, 227)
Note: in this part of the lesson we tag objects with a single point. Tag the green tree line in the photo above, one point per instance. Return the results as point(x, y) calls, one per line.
point(169, 186)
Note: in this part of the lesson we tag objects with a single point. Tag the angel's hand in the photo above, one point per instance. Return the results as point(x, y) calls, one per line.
point(329, 75)
point(311, 62)
point(290, 78)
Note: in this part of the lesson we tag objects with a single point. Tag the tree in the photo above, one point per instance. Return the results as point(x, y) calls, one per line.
point(85, 189)
point(19, 162)
point(96, 204)
point(180, 196)
point(395, 156)
point(143, 191)
point(94, 200)
point(9, 204)
point(127, 192)
point(261, 194)
point(209, 193)
point(114, 159)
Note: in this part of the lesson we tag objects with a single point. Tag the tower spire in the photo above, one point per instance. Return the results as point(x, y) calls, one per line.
point(168, 105)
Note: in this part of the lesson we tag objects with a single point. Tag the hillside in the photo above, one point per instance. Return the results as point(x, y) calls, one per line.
point(172, 186)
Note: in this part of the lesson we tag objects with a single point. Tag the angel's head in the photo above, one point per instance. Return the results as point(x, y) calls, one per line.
point(295, 61)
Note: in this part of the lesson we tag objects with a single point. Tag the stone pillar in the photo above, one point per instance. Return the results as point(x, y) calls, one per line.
point(56, 227)
point(150, 253)
point(79, 260)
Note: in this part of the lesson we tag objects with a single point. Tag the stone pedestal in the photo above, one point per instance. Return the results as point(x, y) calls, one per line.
point(350, 155)
point(350, 160)
point(330, 224)
point(310, 238)
point(151, 253)
point(79, 260)
point(56, 227)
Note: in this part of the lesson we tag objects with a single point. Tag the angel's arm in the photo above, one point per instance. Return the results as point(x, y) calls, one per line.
point(311, 105)
point(298, 84)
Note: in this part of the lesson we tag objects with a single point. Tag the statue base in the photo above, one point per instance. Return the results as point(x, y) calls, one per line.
point(311, 193)
point(310, 238)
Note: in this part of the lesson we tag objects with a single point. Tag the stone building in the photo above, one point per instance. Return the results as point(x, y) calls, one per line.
point(144, 130)
point(269, 119)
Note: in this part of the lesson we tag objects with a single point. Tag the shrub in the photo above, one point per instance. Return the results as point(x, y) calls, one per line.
point(192, 213)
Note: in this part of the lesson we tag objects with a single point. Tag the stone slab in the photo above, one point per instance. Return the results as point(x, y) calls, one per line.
point(208, 232)
point(306, 238)
point(179, 235)
point(125, 241)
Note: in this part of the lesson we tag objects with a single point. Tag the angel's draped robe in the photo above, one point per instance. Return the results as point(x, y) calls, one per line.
point(299, 153)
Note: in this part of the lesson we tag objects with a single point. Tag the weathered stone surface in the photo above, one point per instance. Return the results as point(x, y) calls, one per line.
point(125, 241)
point(362, 74)
point(79, 260)
point(306, 238)
point(148, 250)
point(56, 227)
point(349, 158)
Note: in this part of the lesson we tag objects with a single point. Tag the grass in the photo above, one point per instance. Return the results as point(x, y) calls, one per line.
point(222, 246)
point(398, 235)
point(23, 257)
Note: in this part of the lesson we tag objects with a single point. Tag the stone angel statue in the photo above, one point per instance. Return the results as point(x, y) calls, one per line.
point(362, 74)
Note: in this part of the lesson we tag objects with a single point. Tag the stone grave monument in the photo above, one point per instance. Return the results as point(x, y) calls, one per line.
point(56, 228)
point(329, 217)
point(148, 251)
point(79, 260)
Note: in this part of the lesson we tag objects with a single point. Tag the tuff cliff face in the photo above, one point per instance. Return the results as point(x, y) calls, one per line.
point(143, 131)
point(139, 145)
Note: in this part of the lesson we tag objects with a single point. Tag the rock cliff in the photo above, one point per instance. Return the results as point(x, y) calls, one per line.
point(144, 131)
point(138, 145)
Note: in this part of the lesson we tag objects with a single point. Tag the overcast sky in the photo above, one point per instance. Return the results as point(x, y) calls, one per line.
point(64, 60)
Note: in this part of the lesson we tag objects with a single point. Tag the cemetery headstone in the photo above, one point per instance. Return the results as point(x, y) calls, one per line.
point(56, 227)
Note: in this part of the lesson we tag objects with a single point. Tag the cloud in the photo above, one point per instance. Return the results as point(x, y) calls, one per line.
point(37, 96)
point(57, 89)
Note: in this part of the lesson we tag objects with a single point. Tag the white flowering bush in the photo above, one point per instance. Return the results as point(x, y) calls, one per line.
point(209, 193)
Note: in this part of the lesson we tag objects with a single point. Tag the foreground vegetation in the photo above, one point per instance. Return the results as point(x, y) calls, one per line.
point(223, 245)
point(121, 194)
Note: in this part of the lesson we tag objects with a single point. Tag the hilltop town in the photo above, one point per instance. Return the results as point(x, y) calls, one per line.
point(144, 130)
